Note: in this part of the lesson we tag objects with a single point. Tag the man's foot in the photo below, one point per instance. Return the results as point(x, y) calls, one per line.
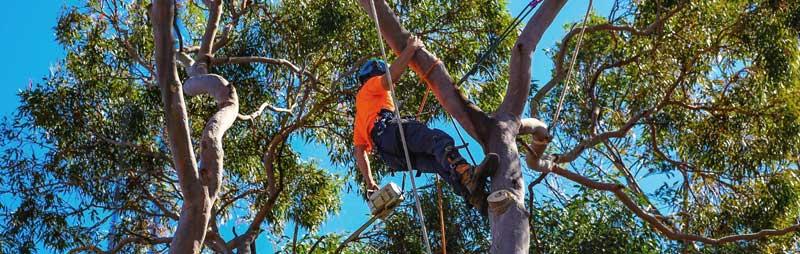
point(474, 181)
point(474, 178)
point(478, 201)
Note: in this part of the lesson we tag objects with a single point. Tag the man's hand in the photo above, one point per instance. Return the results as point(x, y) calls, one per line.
point(372, 186)
point(362, 162)
point(371, 189)
point(414, 43)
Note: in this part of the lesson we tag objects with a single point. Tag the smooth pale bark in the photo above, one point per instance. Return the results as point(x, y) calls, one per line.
point(510, 228)
point(187, 238)
point(541, 138)
point(211, 151)
point(519, 74)
point(496, 133)
point(199, 185)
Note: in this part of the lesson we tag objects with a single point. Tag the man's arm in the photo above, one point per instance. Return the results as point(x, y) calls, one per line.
point(400, 64)
point(362, 162)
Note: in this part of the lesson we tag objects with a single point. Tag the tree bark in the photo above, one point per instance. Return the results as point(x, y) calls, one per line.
point(496, 133)
point(199, 185)
point(510, 230)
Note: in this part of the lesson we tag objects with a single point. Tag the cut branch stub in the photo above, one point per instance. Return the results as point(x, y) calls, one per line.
point(500, 200)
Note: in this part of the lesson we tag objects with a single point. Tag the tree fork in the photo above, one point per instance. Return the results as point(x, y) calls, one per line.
point(496, 133)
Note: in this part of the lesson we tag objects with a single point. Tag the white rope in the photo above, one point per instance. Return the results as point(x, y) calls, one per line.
point(402, 134)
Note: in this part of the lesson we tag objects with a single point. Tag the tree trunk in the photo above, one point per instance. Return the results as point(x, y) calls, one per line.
point(497, 133)
point(199, 183)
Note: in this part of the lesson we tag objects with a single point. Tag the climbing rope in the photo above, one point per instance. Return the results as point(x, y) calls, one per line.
point(571, 67)
point(428, 87)
point(517, 20)
point(441, 214)
point(507, 31)
point(402, 133)
point(439, 194)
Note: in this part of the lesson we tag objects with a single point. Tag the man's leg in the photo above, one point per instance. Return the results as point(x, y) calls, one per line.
point(428, 164)
point(433, 142)
point(437, 144)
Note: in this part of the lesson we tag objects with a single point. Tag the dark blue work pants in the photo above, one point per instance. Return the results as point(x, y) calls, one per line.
point(426, 147)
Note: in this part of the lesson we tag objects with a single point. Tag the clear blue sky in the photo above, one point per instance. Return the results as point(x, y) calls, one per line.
point(29, 46)
point(30, 50)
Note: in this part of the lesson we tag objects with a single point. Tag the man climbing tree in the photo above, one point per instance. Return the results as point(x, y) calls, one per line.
point(377, 129)
point(498, 131)
point(702, 93)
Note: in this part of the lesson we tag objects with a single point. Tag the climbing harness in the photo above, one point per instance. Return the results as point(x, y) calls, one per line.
point(420, 215)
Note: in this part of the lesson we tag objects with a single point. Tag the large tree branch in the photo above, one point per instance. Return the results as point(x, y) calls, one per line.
point(195, 217)
point(535, 127)
point(207, 42)
point(199, 187)
point(520, 65)
point(227, 32)
point(541, 137)
point(172, 96)
point(211, 151)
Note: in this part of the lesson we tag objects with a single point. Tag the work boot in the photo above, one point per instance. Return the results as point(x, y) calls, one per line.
point(474, 178)
point(478, 201)
point(474, 181)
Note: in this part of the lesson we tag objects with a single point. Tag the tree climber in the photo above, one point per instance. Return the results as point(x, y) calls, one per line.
point(431, 150)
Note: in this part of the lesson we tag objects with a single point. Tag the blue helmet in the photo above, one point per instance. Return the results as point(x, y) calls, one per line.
point(373, 67)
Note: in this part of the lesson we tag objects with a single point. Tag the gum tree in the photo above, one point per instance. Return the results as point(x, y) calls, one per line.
point(703, 95)
point(716, 80)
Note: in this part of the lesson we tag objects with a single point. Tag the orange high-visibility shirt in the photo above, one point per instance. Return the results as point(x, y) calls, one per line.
point(371, 98)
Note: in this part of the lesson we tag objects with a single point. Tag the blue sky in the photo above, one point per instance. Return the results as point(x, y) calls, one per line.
point(30, 47)
point(30, 50)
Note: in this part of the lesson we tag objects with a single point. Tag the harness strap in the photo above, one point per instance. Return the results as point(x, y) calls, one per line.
point(428, 87)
